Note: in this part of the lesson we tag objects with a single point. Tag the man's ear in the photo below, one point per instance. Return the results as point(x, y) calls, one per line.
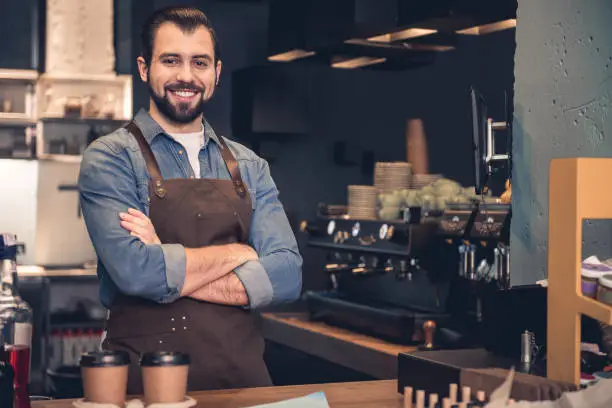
point(143, 69)
point(218, 71)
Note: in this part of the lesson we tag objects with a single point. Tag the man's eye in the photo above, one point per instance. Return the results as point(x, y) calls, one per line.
point(201, 64)
point(170, 61)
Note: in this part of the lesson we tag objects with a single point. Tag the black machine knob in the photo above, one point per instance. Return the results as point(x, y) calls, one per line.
point(312, 229)
point(391, 233)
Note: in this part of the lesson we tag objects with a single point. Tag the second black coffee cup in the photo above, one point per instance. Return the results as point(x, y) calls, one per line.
point(164, 376)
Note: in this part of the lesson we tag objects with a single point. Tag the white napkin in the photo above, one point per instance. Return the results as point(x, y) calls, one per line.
point(315, 400)
point(596, 396)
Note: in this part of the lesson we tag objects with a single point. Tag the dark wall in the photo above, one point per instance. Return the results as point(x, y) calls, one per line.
point(562, 105)
point(367, 108)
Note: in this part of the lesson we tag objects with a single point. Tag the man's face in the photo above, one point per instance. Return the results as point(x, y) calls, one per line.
point(182, 74)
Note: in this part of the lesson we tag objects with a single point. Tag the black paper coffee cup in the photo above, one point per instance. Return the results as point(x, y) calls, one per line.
point(104, 376)
point(164, 358)
point(105, 359)
point(164, 376)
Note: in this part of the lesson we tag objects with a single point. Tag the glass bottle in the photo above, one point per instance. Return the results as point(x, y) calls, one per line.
point(15, 320)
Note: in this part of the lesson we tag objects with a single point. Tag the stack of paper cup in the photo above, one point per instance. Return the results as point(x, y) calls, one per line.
point(362, 202)
point(390, 176)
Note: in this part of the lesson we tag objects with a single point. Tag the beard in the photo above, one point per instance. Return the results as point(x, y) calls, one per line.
point(179, 112)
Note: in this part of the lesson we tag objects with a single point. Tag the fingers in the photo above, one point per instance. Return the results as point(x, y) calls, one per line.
point(134, 219)
point(137, 214)
point(144, 240)
point(139, 225)
point(131, 227)
point(141, 233)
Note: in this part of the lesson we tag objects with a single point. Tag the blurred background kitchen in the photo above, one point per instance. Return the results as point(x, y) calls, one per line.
point(336, 95)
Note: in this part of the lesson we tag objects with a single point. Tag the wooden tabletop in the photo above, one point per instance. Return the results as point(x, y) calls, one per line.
point(370, 394)
point(369, 355)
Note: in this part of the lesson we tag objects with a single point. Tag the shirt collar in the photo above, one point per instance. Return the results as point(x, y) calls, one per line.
point(151, 129)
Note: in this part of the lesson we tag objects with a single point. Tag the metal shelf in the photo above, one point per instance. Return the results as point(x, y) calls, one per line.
point(358, 248)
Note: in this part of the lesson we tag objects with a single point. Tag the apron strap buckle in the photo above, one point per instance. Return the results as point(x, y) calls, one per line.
point(160, 191)
point(239, 186)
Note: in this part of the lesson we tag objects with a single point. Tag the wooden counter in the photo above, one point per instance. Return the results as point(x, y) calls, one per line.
point(369, 355)
point(371, 394)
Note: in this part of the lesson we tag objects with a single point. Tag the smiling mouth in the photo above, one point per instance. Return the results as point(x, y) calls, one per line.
point(185, 95)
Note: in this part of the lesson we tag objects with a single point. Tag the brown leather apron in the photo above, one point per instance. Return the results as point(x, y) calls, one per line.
point(225, 346)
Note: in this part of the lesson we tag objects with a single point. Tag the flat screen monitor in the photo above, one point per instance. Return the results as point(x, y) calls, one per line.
point(479, 140)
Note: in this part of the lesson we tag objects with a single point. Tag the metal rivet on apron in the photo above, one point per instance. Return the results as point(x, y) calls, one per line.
point(184, 328)
point(148, 199)
point(199, 215)
point(235, 214)
point(172, 319)
point(184, 317)
point(180, 152)
point(161, 192)
point(173, 329)
point(160, 342)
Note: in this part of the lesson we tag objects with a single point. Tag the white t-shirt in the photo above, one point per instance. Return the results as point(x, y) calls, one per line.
point(192, 143)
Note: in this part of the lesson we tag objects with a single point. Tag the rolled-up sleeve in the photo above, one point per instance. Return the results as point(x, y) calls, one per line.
point(108, 186)
point(277, 276)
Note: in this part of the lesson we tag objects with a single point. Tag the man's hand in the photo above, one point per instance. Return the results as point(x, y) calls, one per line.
point(207, 264)
point(209, 270)
point(139, 226)
point(227, 290)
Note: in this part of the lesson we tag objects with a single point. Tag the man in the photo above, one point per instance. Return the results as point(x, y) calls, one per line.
point(188, 228)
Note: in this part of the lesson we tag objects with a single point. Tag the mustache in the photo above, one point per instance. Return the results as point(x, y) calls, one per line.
point(177, 86)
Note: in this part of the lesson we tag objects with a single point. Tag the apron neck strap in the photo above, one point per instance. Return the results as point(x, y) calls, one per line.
point(232, 167)
point(149, 158)
point(153, 167)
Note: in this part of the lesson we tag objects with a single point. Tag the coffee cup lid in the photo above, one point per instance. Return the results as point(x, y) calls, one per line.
point(105, 359)
point(164, 358)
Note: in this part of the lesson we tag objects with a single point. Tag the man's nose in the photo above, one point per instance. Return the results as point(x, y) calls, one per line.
point(184, 73)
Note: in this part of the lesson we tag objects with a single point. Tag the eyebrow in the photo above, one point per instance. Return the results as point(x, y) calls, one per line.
point(200, 56)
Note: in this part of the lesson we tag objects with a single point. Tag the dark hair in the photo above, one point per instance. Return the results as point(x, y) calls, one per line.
point(188, 19)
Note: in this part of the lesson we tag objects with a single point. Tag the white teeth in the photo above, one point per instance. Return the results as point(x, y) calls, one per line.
point(185, 94)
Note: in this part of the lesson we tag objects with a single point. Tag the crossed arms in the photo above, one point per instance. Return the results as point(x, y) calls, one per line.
point(266, 271)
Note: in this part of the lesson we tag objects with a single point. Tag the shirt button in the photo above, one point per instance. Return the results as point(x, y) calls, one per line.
point(180, 152)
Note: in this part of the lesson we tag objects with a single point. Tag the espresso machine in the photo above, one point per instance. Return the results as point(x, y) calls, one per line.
point(427, 272)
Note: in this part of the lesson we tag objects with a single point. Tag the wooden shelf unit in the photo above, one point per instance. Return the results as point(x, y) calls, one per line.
point(576, 193)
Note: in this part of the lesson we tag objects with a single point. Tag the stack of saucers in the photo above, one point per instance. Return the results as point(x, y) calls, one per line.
point(390, 176)
point(362, 201)
point(421, 180)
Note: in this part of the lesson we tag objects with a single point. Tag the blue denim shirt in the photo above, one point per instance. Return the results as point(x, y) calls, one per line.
point(114, 177)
